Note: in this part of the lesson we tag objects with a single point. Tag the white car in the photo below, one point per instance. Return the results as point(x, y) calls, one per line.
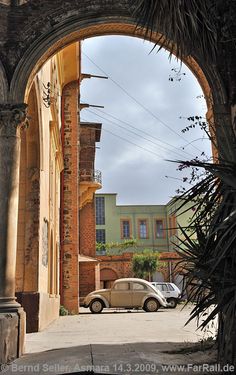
point(170, 291)
point(126, 293)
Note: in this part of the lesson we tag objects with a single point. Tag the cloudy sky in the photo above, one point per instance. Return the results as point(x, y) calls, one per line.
point(141, 124)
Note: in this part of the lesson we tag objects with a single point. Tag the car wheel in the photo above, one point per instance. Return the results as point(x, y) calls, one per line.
point(96, 306)
point(151, 305)
point(172, 303)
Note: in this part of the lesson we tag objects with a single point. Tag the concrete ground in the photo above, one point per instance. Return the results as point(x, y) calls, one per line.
point(113, 342)
point(115, 326)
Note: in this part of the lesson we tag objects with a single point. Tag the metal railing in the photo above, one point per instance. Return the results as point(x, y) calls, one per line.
point(90, 175)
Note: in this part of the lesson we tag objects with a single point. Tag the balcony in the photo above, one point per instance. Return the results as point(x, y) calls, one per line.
point(90, 181)
point(90, 175)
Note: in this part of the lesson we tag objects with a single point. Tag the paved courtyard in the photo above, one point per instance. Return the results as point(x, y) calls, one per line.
point(114, 342)
point(116, 327)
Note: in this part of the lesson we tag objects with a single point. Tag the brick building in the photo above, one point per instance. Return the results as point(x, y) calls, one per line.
point(89, 182)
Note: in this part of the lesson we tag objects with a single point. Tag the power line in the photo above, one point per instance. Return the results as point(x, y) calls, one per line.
point(126, 140)
point(146, 133)
point(137, 102)
point(130, 131)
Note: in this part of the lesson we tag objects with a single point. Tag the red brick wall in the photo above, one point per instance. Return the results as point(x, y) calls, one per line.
point(122, 264)
point(89, 272)
point(87, 278)
point(87, 146)
point(69, 215)
point(87, 241)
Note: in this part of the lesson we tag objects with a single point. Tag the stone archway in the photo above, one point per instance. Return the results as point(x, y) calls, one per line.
point(21, 82)
point(109, 19)
point(38, 30)
point(49, 27)
point(107, 277)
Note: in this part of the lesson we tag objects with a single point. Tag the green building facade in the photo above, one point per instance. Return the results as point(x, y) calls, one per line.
point(154, 227)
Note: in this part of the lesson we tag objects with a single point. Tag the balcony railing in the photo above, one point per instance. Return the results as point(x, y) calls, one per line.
point(90, 175)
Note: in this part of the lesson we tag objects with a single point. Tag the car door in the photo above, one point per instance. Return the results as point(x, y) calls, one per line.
point(166, 291)
point(139, 291)
point(121, 294)
point(172, 292)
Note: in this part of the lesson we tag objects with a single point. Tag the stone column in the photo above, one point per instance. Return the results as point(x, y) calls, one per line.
point(12, 316)
point(224, 129)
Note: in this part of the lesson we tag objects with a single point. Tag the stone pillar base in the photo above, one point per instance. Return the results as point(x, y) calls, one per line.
point(12, 334)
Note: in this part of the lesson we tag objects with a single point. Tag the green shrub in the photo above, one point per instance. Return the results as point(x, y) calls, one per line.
point(63, 311)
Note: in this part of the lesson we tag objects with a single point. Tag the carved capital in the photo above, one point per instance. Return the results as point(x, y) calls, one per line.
point(12, 119)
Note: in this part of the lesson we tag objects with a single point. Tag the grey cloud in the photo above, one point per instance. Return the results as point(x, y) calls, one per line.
point(138, 176)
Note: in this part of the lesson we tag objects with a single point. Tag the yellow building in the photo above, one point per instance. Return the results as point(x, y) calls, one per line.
point(48, 221)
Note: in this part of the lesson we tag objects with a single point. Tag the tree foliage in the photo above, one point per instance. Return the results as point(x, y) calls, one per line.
point(120, 246)
point(209, 262)
point(145, 264)
point(195, 17)
point(191, 25)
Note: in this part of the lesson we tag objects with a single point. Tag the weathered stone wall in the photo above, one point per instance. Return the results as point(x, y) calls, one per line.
point(37, 273)
point(38, 28)
point(26, 23)
point(27, 267)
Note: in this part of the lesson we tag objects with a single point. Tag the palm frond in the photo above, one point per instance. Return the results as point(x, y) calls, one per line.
point(208, 261)
point(187, 25)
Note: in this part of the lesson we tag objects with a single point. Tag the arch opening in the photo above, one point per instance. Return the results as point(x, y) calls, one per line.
point(33, 60)
point(51, 38)
point(21, 86)
point(69, 86)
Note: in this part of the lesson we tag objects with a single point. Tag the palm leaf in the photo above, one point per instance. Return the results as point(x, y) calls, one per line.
point(190, 25)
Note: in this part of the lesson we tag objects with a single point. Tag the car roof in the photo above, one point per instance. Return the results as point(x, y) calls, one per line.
point(132, 279)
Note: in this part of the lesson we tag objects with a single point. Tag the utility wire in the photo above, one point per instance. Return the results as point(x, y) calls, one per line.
point(146, 133)
point(138, 102)
point(126, 140)
point(131, 131)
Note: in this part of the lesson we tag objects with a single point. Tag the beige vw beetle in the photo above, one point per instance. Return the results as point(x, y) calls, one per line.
point(126, 293)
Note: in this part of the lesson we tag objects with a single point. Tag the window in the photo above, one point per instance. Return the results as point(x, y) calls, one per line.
point(143, 230)
point(164, 288)
point(159, 229)
point(137, 286)
point(121, 286)
point(170, 287)
point(101, 238)
point(125, 229)
point(100, 210)
point(100, 235)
